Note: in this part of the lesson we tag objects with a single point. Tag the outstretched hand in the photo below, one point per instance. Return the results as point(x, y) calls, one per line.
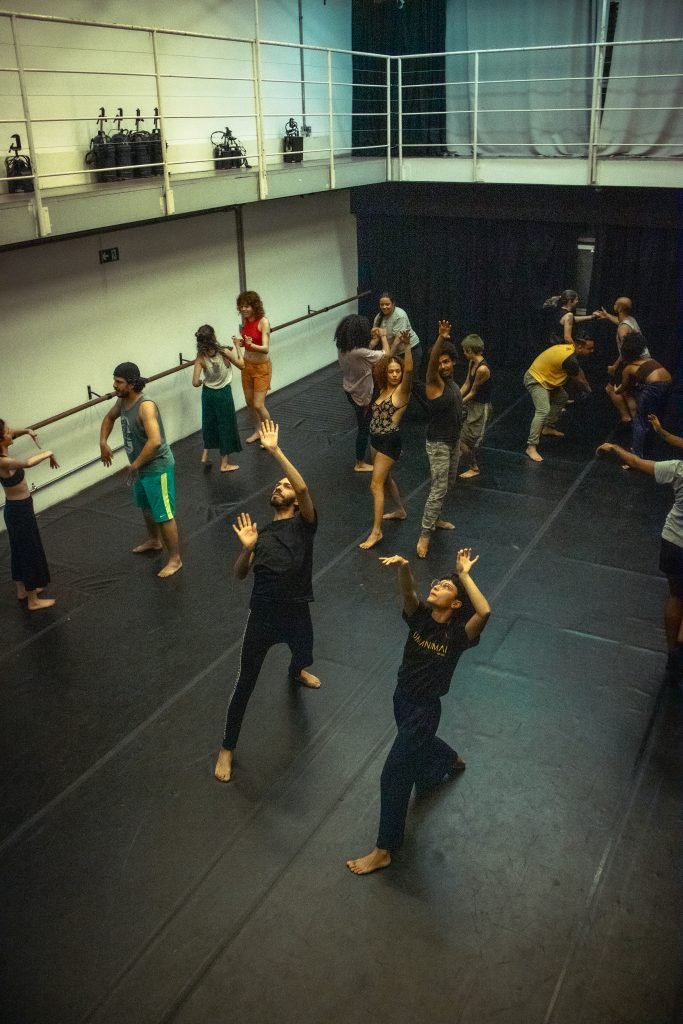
point(404, 339)
point(268, 432)
point(654, 423)
point(444, 328)
point(464, 560)
point(393, 560)
point(34, 437)
point(53, 463)
point(246, 531)
point(605, 449)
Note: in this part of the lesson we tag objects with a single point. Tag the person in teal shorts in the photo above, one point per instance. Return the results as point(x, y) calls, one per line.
point(151, 469)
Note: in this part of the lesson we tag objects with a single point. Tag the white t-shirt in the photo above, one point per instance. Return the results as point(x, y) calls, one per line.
point(671, 472)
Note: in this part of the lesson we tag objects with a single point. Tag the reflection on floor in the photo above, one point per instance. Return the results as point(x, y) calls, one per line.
point(542, 886)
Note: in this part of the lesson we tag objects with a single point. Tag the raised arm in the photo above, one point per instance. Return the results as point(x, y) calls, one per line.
point(673, 439)
point(432, 378)
point(464, 561)
point(627, 458)
point(269, 433)
point(9, 462)
point(406, 582)
point(25, 432)
point(602, 314)
point(106, 428)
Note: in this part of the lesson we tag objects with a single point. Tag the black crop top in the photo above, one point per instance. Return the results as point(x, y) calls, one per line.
point(12, 481)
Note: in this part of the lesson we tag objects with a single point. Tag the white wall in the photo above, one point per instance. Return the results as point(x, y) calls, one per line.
point(67, 320)
point(206, 84)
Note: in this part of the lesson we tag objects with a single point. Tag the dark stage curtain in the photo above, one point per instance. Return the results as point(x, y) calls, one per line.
point(419, 26)
point(487, 277)
point(643, 263)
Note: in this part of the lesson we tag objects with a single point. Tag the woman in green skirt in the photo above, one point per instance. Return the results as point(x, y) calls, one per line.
point(213, 374)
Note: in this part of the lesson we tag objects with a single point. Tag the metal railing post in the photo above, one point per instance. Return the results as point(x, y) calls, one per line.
point(389, 169)
point(42, 216)
point(475, 119)
point(169, 203)
point(399, 108)
point(260, 144)
point(333, 179)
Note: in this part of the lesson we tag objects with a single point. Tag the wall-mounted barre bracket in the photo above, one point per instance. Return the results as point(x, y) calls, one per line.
point(183, 361)
point(92, 394)
point(311, 312)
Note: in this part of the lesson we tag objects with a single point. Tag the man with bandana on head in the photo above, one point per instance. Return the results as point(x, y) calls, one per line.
point(151, 469)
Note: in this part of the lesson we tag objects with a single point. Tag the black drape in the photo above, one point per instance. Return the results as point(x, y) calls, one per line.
point(642, 262)
point(487, 277)
point(419, 26)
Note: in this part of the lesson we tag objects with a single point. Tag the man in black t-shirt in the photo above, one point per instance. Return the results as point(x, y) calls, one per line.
point(436, 640)
point(281, 555)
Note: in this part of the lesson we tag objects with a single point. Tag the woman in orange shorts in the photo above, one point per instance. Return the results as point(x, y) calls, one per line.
point(258, 369)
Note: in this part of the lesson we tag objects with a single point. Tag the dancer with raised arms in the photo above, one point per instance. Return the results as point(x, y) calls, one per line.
point(393, 378)
point(437, 637)
point(281, 557)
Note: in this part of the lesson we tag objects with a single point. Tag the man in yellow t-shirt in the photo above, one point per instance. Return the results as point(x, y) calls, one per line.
point(545, 379)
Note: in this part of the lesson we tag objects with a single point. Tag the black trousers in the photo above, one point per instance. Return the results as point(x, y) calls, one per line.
point(417, 758)
point(29, 565)
point(277, 624)
point(363, 423)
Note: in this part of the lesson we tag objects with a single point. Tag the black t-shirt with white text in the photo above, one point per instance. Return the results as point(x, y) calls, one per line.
point(283, 561)
point(430, 655)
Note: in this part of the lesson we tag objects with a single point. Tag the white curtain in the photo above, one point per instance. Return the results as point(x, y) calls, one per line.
point(548, 117)
point(642, 129)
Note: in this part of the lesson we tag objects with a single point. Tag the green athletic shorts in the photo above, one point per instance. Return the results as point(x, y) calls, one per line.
point(155, 492)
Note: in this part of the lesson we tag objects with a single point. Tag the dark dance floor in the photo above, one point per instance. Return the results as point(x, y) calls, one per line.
point(542, 886)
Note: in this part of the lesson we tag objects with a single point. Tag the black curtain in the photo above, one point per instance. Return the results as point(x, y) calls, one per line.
point(642, 262)
point(488, 277)
point(384, 26)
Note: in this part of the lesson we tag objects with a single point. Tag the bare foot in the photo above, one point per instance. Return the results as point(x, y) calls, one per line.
point(468, 474)
point(443, 524)
point(374, 861)
point(362, 467)
point(229, 468)
point(422, 547)
point(374, 538)
point(532, 452)
point(148, 545)
point(458, 766)
point(35, 604)
point(398, 514)
point(170, 569)
point(253, 437)
point(307, 679)
point(22, 592)
point(223, 769)
point(205, 461)
point(551, 432)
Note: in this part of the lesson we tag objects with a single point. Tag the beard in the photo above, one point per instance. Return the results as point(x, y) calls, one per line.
point(278, 501)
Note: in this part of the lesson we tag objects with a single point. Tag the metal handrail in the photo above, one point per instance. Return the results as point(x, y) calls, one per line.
point(184, 363)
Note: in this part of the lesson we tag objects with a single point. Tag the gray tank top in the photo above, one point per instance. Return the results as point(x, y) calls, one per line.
point(135, 438)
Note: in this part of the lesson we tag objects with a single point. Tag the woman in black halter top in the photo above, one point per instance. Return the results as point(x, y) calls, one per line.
point(29, 565)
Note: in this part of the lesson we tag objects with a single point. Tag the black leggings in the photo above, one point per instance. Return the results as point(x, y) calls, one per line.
point(363, 422)
point(417, 758)
point(278, 624)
